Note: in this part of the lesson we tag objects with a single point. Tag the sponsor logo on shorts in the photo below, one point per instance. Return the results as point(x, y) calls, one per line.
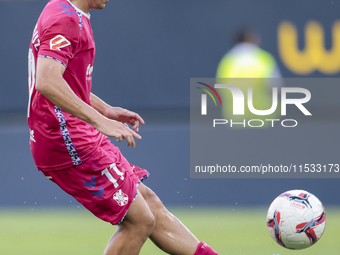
point(32, 135)
point(89, 71)
point(121, 198)
point(59, 42)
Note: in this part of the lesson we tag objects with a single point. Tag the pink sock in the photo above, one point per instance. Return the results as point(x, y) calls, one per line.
point(204, 249)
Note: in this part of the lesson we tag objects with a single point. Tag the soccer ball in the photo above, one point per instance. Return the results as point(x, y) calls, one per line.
point(296, 219)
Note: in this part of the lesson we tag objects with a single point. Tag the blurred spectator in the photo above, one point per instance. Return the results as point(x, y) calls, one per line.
point(247, 65)
point(246, 59)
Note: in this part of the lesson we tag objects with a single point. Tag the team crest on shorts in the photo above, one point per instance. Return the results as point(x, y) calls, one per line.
point(121, 198)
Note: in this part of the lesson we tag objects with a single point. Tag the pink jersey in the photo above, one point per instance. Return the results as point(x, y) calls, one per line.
point(59, 140)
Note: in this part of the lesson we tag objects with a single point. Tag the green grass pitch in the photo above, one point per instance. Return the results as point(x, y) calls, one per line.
point(229, 231)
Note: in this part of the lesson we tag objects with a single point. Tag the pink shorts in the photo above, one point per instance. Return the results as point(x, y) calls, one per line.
point(106, 184)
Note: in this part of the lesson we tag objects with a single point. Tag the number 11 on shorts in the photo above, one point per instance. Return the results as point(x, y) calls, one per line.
point(110, 177)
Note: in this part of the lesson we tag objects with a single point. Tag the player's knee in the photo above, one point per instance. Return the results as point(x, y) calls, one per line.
point(151, 198)
point(142, 227)
point(150, 223)
point(147, 224)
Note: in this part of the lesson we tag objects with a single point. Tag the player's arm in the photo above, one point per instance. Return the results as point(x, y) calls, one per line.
point(51, 84)
point(116, 113)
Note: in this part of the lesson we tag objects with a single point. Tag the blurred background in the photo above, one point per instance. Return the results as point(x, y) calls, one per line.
point(147, 51)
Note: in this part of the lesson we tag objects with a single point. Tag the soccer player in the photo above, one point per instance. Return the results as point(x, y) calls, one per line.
point(69, 129)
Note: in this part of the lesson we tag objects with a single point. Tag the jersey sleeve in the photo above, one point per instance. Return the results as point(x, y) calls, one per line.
point(59, 41)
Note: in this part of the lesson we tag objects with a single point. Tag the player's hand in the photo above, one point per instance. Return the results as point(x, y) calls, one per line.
point(125, 116)
point(118, 130)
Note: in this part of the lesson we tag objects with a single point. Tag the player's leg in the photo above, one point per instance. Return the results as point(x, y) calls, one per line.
point(133, 231)
point(109, 195)
point(169, 233)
